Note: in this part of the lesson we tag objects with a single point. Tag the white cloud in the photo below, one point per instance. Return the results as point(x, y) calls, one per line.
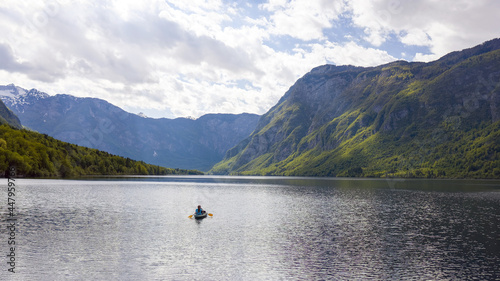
point(416, 37)
point(444, 26)
point(424, 57)
point(353, 54)
point(203, 19)
point(188, 58)
point(375, 17)
point(303, 19)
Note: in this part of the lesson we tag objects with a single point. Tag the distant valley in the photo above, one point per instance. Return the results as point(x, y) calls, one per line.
point(177, 143)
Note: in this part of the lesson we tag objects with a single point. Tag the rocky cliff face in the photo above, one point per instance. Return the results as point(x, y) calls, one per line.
point(177, 143)
point(334, 117)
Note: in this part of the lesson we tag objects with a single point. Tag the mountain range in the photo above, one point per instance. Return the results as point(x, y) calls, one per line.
point(178, 143)
point(402, 119)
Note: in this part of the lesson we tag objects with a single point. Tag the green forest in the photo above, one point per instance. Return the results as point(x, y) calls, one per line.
point(40, 156)
point(436, 154)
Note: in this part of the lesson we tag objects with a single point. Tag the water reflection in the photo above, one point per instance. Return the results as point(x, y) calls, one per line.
point(262, 229)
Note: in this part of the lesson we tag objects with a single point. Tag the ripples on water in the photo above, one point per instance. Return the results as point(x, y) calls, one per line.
point(262, 229)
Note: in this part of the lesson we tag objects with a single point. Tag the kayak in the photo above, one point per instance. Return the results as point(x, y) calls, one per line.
point(202, 216)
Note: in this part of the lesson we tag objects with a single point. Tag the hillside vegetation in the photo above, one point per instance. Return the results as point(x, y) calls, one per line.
point(38, 155)
point(8, 117)
point(438, 119)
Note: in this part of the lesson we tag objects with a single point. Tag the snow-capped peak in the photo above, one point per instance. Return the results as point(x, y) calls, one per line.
point(13, 95)
point(37, 94)
point(21, 91)
point(10, 91)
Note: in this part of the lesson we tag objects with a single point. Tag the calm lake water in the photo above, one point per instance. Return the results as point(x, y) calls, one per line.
point(262, 228)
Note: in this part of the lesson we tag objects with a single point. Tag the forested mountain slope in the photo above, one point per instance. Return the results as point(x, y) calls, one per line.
point(37, 155)
point(437, 119)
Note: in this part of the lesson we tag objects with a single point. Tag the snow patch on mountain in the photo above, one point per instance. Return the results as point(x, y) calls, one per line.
point(7, 94)
point(16, 96)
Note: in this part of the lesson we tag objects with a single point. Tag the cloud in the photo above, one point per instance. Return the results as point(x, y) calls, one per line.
point(425, 57)
point(354, 54)
point(117, 43)
point(444, 26)
point(416, 37)
point(188, 58)
point(8, 61)
point(40, 70)
point(215, 53)
point(302, 19)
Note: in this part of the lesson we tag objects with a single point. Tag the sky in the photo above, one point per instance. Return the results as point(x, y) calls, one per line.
point(180, 58)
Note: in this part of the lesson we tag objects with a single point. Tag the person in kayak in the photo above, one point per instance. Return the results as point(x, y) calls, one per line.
point(199, 211)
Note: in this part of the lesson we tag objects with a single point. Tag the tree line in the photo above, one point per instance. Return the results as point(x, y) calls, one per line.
point(41, 156)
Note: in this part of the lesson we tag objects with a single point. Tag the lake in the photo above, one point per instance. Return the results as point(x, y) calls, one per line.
point(263, 228)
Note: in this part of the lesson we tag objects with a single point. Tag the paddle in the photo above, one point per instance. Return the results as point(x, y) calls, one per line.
point(211, 215)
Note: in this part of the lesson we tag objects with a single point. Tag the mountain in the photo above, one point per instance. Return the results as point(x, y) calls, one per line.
point(402, 119)
point(6, 115)
point(95, 123)
point(32, 154)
